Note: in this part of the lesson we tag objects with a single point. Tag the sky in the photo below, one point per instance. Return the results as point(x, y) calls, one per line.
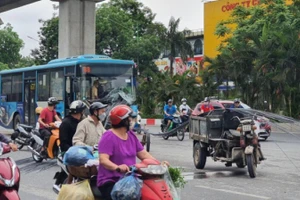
point(24, 20)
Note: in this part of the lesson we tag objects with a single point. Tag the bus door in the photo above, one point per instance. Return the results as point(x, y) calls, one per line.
point(29, 102)
point(69, 94)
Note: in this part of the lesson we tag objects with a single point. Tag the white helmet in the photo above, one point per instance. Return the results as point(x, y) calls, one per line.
point(183, 100)
point(77, 107)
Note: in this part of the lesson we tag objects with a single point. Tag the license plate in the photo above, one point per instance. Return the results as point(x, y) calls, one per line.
point(246, 127)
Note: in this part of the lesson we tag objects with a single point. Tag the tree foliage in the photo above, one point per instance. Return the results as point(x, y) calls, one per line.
point(10, 46)
point(175, 41)
point(125, 29)
point(48, 35)
point(261, 54)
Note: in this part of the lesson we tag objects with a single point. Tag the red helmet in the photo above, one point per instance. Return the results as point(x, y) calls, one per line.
point(118, 113)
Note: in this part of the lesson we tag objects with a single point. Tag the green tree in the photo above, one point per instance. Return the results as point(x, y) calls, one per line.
point(10, 46)
point(262, 54)
point(48, 36)
point(125, 30)
point(25, 62)
point(176, 43)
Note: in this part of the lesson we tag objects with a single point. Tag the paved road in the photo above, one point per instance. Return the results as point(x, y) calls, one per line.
point(277, 178)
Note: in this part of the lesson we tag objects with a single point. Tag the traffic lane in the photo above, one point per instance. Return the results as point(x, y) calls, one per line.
point(277, 177)
point(36, 178)
point(272, 180)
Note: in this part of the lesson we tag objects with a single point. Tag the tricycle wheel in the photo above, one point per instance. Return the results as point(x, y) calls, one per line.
point(199, 156)
point(251, 165)
point(180, 134)
point(148, 142)
point(240, 164)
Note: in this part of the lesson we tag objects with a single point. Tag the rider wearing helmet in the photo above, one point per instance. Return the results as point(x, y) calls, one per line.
point(236, 104)
point(69, 124)
point(90, 130)
point(67, 130)
point(206, 106)
point(118, 149)
point(169, 111)
point(46, 117)
point(184, 110)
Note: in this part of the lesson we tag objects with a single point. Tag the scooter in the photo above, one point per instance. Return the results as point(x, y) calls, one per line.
point(151, 172)
point(52, 149)
point(176, 123)
point(22, 135)
point(9, 176)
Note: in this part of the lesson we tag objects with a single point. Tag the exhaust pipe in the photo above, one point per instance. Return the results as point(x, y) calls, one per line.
point(34, 151)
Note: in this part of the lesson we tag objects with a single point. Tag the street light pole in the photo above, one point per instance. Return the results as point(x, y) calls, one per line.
point(32, 38)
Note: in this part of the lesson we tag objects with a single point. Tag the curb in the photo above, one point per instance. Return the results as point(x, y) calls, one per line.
point(151, 122)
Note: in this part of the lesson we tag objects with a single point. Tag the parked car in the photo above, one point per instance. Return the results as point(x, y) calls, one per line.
point(263, 126)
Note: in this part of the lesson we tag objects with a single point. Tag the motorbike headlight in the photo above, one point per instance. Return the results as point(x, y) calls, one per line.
point(154, 170)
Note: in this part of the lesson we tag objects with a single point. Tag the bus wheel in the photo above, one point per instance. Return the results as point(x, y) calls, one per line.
point(17, 120)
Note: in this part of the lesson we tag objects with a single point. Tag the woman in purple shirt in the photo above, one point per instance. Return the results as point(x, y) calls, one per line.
point(118, 149)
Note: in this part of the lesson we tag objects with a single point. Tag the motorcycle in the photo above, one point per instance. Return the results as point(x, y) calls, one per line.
point(227, 136)
point(9, 176)
point(249, 143)
point(52, 150)
point(176, 122)
point(22, 135)
point(150, 171)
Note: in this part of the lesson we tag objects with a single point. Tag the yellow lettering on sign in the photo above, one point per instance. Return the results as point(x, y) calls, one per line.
point(32, 86)
point(161, 62)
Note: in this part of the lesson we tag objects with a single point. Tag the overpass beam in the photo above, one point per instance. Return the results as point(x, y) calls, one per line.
point(6, 5)
point(76, 27)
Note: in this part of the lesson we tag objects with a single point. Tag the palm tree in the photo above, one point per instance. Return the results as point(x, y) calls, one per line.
point(176, 42)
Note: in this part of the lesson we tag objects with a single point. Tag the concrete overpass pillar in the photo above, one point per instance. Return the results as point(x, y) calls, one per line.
point(76, 27)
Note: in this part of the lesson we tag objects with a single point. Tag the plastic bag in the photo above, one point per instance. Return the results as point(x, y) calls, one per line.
point(80, 190)
point(172, 188)
point(78, 155)
point(128, 188)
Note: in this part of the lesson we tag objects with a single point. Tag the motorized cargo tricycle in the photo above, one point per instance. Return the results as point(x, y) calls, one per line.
point(227, 136)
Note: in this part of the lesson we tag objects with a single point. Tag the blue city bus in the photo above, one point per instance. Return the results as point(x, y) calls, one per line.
point(69, 79)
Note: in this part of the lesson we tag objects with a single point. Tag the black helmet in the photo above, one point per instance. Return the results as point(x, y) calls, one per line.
point(52, 101)
point(77, 107)
point(96, 106)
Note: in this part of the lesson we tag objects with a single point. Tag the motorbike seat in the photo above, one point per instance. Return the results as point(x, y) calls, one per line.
point(234, 133)
point(37, 132)
point(96, 192)
point(26, 127)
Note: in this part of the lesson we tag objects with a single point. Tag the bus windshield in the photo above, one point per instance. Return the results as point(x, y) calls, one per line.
point(98, 80)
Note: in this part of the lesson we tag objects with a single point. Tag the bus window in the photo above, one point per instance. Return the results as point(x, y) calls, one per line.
point(6, 87)
point(17, 88)
point(43, 86)
point(57, 84)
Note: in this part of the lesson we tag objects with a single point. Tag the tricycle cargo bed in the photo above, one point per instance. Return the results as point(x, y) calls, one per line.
point(211, 126)
point(203, 128)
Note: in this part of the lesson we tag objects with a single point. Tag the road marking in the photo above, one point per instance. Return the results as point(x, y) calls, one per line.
point(233, 192)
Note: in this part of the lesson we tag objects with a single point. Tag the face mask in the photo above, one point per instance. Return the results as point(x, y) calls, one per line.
point(102, 116)
point(184, 103)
